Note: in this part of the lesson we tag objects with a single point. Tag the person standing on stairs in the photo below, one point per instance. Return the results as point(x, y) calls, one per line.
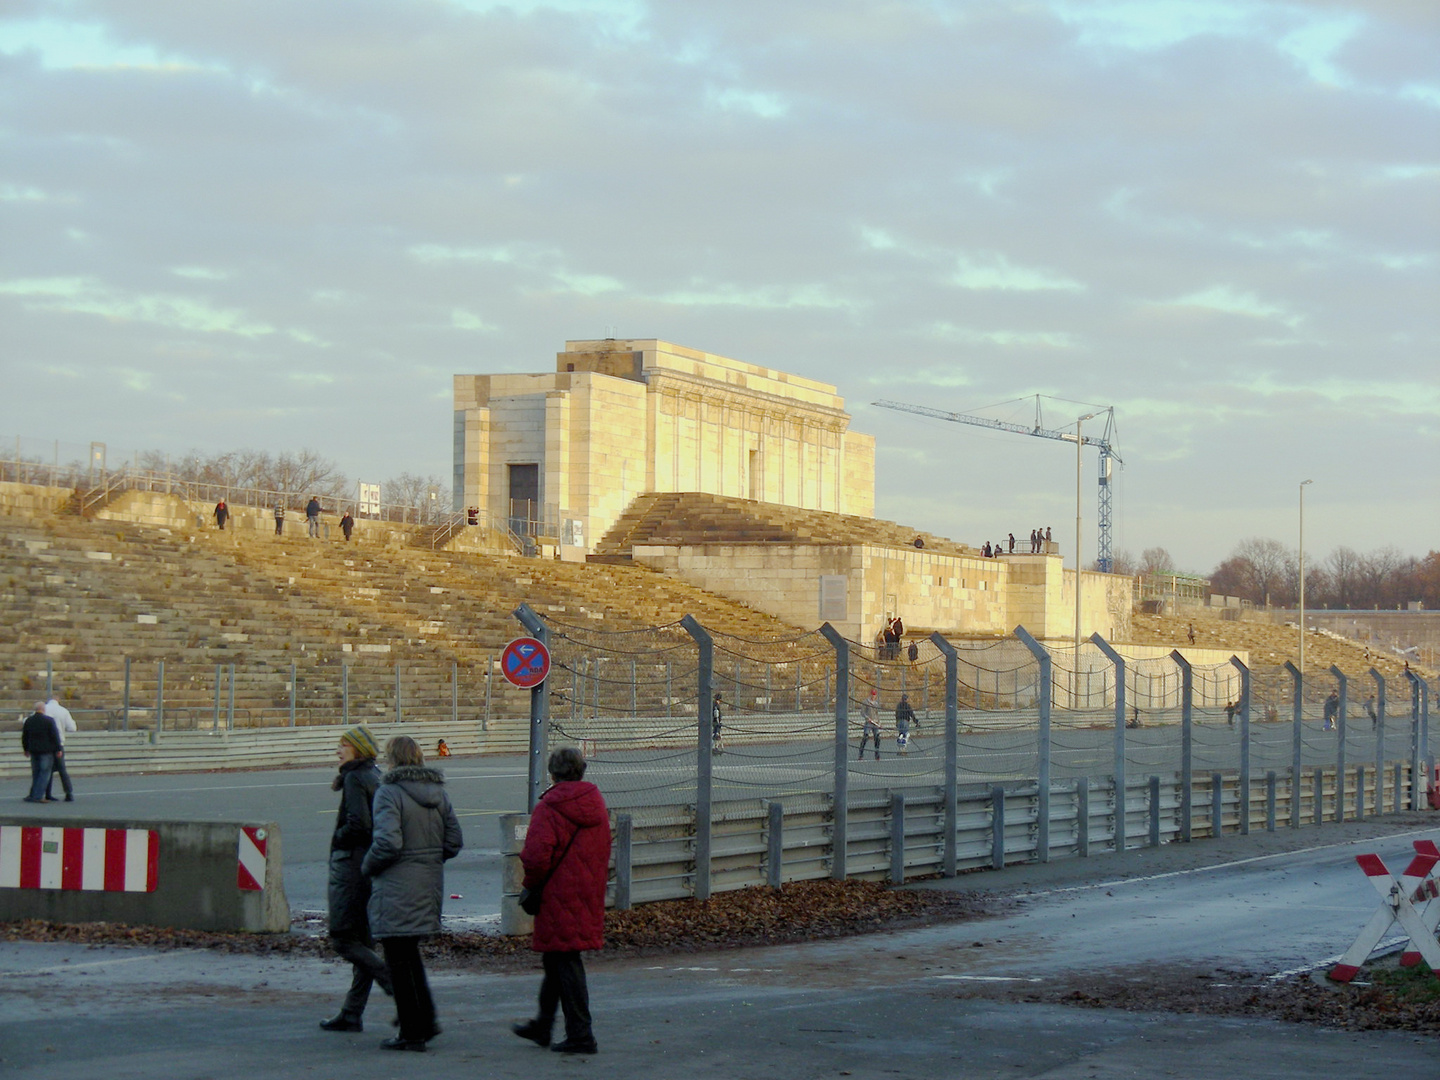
point(222, 513)
point(279, 518)
point(312, 516)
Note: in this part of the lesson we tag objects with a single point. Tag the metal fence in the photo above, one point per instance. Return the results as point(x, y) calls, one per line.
point(1012, 714)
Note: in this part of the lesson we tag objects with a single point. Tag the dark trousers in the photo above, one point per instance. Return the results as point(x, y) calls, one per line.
point(40, 769)
point(412, 991)
point(64, 775)
point(866, 733)
point(369, 969)
point(564, 985)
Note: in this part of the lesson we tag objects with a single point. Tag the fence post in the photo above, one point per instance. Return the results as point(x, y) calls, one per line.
point(344, 693)
point(125, 707)
point(1319, 813)
point(215, 720)
point(1418, 786)
point(49, 678)
point(840, 833)
point(1340, 725)
point(539, 711)
point(1297, 748)
point(624, 849)
point(997, 827)
point(1154, 811)
point(1187, 735)
point(1244, 744)
point(230, 702)
point(704, 778)
point(454, 690)
point(897, 838)
point(1217, 806)
point(634, 690)
point(1359, 792)
point(1082, 816)
point(1119, 738)
point(775, 845)
point(1270, 801)
point(160, 698)
point(952, 751)
point(292, 690)
point(1042, 840)
point(1379, 740)
point(399, 708)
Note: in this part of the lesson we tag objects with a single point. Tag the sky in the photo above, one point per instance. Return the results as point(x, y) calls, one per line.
point(285, 224)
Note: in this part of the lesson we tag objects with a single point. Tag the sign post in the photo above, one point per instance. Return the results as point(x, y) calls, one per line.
point(526, 663)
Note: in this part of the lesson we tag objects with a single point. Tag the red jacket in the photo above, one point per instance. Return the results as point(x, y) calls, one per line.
point(572, 908)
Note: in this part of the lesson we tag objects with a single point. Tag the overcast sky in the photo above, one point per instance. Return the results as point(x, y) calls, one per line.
point(286, 223)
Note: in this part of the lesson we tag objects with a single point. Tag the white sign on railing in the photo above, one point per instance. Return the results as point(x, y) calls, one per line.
point(370, 499)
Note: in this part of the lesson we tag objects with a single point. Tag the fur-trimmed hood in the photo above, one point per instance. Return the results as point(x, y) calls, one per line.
point(422, 783)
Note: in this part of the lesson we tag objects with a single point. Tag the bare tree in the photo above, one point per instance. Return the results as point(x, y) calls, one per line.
point(1341, 578)
point(1156, 560)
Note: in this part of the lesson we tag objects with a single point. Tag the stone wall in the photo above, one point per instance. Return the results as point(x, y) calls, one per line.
point(957, 595)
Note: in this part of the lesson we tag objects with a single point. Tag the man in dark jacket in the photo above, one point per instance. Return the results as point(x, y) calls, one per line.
point(40, 742)
point(350, 889)
point(567, 851)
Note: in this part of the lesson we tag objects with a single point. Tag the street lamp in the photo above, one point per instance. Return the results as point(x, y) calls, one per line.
point(1302, 578)
point(1079, 443)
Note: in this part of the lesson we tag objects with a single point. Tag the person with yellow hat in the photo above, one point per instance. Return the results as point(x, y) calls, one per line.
point(349, 891)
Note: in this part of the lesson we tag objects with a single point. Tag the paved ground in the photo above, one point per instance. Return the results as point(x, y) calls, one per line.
point(937, 1001)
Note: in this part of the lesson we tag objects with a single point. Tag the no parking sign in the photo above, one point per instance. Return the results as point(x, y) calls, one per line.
point(525, 662)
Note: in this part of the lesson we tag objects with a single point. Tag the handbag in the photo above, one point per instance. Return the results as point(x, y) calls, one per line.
point(530, 898)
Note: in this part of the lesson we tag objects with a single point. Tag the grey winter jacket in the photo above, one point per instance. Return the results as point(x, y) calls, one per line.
point(349, 892)
point(415, 831)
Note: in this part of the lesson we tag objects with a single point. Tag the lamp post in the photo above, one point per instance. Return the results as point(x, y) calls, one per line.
point(1079, 444)
point(1302, 578)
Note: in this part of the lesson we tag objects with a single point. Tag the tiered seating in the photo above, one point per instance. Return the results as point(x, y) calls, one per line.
point(693, 518)
point(87, 594)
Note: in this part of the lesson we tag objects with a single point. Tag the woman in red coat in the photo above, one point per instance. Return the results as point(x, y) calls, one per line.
point(567, 850)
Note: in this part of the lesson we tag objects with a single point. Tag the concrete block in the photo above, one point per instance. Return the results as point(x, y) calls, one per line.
point(196, 876)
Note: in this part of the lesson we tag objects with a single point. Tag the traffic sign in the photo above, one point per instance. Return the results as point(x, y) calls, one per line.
point(525, 662)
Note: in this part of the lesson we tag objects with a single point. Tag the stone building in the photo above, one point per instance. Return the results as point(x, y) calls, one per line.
point(561, 455)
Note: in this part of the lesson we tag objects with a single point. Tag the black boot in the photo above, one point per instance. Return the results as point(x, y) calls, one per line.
point(342, 1022)
point(533, 1030)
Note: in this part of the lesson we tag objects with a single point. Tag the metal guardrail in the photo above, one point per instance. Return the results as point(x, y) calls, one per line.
point(899, 835)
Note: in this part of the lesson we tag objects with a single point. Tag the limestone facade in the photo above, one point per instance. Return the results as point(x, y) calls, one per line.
point(619, 418)
point(856, 587)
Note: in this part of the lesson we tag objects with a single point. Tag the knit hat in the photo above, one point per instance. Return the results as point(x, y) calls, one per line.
point(364, 743)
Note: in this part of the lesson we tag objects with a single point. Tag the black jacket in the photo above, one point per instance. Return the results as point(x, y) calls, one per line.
point(349, 890)
point(39, 735)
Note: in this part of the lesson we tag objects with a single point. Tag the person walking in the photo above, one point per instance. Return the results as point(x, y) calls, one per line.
point(904, 717)
point(347, 525)
point(567, 850)
point(717, 743)
point(1332, 710)
point(40, 742)
point(349, 889)
point(414, 832)
point(1011, 550)
point(312, 516)
point(871, 728)
point(1370, 711)
point(279, 518)
point(63, 722)
point(222, 514)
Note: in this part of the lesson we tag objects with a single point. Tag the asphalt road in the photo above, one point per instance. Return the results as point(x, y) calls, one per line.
point(889, 1005)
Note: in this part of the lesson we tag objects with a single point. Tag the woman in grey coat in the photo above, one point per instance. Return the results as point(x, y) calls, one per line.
point(415, 831)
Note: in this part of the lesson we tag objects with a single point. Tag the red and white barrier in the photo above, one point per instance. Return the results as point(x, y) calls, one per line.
point(1398, 900)
point(251, 874)
point(89, 860)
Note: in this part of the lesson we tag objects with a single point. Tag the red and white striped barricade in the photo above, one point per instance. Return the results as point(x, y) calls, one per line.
point(1398, 905)
point(89, 860)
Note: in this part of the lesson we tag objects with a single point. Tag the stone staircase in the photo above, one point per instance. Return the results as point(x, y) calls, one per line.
point(694, 518)
point(86, 594)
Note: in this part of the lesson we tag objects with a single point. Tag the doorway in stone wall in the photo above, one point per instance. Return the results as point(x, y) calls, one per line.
point(756, 466)
point(524, 498)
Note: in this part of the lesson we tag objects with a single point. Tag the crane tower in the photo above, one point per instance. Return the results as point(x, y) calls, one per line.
point(1105, 443)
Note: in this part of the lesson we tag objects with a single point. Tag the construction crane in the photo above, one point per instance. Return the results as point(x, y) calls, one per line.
point(1105, 443)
